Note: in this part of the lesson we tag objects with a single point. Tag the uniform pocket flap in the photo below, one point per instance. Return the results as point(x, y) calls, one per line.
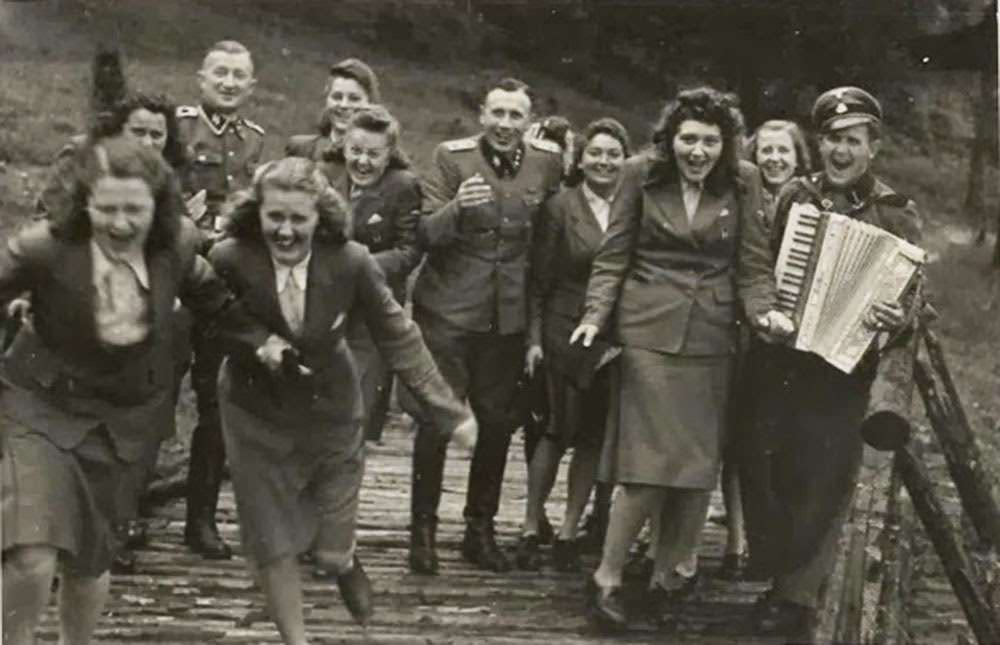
point(724, 293)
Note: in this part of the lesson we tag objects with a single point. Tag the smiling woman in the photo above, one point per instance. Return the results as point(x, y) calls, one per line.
point(89, 385)
point(664, 275)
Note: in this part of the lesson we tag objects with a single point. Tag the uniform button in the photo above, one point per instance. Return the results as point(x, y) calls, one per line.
point(231, 153)
point(229, 177)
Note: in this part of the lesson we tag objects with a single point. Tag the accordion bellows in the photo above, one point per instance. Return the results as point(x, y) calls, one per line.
point(830, 270)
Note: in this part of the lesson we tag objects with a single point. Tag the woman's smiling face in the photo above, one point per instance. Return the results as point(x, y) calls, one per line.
point(697, 148)
point(776, 157)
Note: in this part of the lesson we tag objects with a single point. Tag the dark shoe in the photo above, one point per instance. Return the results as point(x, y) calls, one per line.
point(732, 567)
point(793, 622)
point(123, 563)
point(685, 591)
point(203, 538)
point(133, 534)
point(423, 553)
point(529, 558)
point(639, 568)
point(546, 534)
point(606, 605)
point(479, 546)
point(566, 556)
point(356, 591)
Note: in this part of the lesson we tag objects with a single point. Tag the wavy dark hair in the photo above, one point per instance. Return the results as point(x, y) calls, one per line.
point(711, 106)
point(606, 125)
point(122, 159)
point(803, 158)
point(378, 120)
point(356, 70)
point(290, 173)
point(174, 151)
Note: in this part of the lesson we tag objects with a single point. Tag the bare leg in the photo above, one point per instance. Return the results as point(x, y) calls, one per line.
point(283, 591)
point(735, 541)
point(630, 507)
point(582, 473)
point(27, 585)
point(676, 550)
point(81, 601)
point(542, 473)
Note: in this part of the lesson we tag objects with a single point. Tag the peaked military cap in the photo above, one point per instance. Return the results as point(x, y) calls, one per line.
point(843, 107)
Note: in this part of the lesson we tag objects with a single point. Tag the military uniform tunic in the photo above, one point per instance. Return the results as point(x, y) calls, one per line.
point(223, 153)
point(801, 450)
point(470, 302)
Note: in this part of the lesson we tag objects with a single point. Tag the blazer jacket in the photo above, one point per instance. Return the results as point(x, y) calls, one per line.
point(64, 381)
point(566, 241)
point(384, 218)
point(669, 283)
point(321, 150)
point(343, 280)
point(476, 270)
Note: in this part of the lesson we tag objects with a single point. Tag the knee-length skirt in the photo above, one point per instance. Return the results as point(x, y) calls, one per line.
point(666, 419)
point(291, 502)
point(60, 498)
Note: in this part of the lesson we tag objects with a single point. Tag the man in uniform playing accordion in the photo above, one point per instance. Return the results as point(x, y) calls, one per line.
point(803, 447)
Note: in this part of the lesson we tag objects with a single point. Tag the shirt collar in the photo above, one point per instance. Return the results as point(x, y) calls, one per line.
point(504, 164)
point(595, 200)
point(299, 273)
point(219, 122)
point(134, 260)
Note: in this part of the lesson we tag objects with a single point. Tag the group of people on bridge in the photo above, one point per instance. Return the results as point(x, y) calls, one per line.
point(616, 302)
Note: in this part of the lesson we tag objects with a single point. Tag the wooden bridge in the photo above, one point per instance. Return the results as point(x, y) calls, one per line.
point(177, 597)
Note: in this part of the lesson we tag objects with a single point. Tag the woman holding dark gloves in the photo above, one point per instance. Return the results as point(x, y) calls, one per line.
point(571, 228)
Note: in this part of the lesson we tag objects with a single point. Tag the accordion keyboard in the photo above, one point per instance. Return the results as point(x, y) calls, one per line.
point(802, 232)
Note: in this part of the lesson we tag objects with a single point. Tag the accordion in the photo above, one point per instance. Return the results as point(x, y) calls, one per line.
point(830, 270)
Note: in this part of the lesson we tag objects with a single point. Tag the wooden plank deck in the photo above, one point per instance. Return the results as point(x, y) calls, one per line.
point(176, 597)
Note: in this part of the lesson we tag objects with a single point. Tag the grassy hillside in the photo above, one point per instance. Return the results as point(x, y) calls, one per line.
point(45, 49)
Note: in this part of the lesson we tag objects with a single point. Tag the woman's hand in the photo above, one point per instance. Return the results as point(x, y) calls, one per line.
point(887, 315)
point(466, 434)
point(774, 326)
point(586, 332)
point(271, 353)
point(532, 360)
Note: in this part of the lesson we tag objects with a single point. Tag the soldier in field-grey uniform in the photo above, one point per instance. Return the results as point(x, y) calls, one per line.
point(482, 197)
point(223, 149)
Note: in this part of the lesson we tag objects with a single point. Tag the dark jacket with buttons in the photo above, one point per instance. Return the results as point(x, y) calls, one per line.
point(477, 259)
point(667, 284)
point(566, 240)
point(221, 158)
point(343, 281)
point(65, 382)
point(323, 151)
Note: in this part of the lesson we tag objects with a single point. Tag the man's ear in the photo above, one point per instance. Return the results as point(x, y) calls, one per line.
point(482, 114)
point(876, 146)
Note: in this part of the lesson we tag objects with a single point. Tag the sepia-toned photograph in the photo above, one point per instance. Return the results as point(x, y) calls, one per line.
point(461, 322)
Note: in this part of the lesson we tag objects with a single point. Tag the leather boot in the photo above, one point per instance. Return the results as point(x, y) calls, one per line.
point(479, 546)
point(423, 547)
point(204, 481)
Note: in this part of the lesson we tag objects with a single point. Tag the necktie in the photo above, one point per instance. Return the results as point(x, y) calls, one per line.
point(292, 304)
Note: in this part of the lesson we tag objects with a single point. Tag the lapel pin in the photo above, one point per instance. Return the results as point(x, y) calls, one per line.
point(826, 204)
point(375, 219)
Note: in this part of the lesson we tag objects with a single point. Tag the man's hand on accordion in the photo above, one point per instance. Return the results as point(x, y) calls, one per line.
point(774, 326)
point(887, 315)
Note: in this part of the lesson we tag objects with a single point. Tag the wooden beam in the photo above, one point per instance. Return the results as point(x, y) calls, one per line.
point(958, 442)
point(957, 565)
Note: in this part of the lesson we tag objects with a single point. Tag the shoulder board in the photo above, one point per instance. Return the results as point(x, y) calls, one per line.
point(253, 126)
point(458, 145)
point(186, 111)
point(545, 145)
